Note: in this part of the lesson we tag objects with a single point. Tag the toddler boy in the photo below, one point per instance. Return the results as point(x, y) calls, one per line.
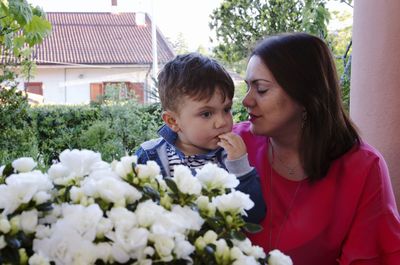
point(196, 95)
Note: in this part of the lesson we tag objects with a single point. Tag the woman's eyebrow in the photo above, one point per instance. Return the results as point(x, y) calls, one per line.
point(257, 80)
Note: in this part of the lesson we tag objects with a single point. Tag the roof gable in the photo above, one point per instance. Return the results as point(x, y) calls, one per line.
point(99, 38)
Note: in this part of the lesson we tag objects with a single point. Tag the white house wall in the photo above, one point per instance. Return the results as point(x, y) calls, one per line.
point(72, 85)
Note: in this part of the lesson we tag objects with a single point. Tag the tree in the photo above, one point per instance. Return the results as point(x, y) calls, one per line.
point(180, 44)
point(240, 23)
point(21, 27)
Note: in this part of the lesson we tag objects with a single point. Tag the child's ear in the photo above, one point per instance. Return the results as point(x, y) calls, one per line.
point(170, 120)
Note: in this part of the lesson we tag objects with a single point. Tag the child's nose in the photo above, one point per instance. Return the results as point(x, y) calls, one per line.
point(220, 122)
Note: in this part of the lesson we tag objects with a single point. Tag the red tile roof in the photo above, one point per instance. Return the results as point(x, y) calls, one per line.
point(99, 38)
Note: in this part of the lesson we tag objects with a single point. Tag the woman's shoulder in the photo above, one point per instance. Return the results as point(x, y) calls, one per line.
point(363, 153)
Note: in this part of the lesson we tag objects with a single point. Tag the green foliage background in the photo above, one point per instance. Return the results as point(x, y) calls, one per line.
point(44, 132)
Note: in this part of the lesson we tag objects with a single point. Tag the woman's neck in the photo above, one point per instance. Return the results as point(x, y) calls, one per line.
point(285, 158)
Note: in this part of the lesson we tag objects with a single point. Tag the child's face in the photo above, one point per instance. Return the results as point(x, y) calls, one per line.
point(200, 122)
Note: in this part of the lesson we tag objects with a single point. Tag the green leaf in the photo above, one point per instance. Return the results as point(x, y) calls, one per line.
point(8, 170)
point(21, 11)
point(13, 242)
point(172, 185)
point(36, 30)
point(45, 207)
point(152, 193)
point(238, 235)
point(252, 228)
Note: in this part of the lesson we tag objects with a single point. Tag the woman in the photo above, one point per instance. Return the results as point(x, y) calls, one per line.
point(328, 193)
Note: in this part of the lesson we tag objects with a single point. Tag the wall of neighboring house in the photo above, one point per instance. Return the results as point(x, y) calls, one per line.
point(73, 85)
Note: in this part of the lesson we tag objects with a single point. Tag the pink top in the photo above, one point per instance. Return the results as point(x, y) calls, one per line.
point(349, 217)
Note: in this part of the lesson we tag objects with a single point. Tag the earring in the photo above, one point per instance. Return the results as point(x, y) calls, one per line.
point(303, 119)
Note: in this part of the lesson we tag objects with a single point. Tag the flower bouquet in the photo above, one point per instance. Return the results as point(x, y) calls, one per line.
point(87, 211)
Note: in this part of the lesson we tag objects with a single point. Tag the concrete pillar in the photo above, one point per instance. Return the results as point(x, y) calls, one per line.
point(375, 79)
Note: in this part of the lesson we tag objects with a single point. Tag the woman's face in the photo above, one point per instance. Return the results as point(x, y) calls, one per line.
point(272, 112)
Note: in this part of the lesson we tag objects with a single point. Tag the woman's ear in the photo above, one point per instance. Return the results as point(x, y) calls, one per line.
point(169, 119)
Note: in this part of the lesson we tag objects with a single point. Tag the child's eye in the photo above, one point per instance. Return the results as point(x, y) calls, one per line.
point(206, 114)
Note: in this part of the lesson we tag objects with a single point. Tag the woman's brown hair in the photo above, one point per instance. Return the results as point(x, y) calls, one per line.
point(303, 66)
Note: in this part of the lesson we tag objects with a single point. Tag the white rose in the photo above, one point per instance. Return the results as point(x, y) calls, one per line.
point(104, 226)
point(234, 202)
point(183, 248)
point(80, 162)
point(29, 221)
point(57, 171)
point(3, 243)
point(76, 194)
point(185, 181)
point(124, 167)
point(103, 251)
point(37, 259)
point(191, 219)
point(164, 246)
point(222, 251)
point(210, 237)
point(5, 225)
point(149, 212)
point(150, 170)
point(247, 248)
point(276, 257)
point(213, 177)
point(24, 164)
point(41, 197)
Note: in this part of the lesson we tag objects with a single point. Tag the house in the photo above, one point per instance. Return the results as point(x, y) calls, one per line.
point(89, 55)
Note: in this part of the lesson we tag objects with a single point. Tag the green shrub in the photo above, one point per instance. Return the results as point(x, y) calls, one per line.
point(100, 137)
point(60, 127)
point(17, 138)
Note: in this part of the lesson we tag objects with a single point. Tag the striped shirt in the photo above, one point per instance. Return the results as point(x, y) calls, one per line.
point(191, 161)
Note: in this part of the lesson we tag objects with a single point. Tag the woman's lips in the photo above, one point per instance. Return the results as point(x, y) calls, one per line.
point(253, 117)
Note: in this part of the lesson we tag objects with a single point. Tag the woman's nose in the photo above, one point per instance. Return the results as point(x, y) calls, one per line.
point(247, 100)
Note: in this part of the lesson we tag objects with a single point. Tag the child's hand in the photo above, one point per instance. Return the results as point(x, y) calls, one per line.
point(233, 144)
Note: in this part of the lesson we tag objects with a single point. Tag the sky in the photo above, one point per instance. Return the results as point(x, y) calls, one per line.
point(188, 17)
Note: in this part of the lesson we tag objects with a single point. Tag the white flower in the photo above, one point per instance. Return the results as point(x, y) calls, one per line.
point(24, 164)
point(29, 221)
point(278, 258)
point(185, 181)
point(183, 248)
point(1, 170)
point(110, 189)
point(41, 197)
point(80, 162)
point(21, 188)
point(124, 167)
point(148, 171)
point(59, 174)
point(3, 243)
point(164, 246)
point(213, 177)
point(234, 202)
point(37, 259)
point(149, 212)
point(191, 219)
point(246, 247)
point(5, 225)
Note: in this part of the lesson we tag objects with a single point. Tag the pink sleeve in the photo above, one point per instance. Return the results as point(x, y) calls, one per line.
point(374, 236)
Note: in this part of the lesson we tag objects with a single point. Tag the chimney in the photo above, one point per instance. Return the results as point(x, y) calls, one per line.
point(114, 6)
